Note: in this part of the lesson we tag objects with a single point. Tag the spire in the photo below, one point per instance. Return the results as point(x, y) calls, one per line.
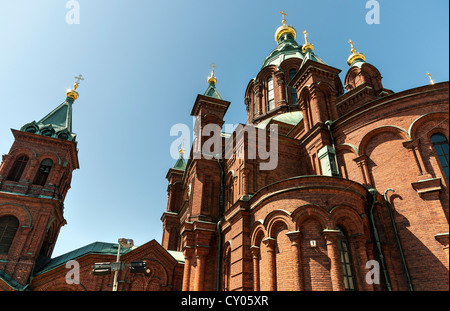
point(58, 123)
point(307, 46)
point(212, 78)
point(284, 28)
point(212, 91)
point(431, 79)
point(355, 55)
point(73, 93)
point(181, 163)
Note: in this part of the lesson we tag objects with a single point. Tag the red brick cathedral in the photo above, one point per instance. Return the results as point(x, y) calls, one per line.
point(353, 193)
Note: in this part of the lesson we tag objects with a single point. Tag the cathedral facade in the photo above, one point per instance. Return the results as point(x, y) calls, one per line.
point(357, 198)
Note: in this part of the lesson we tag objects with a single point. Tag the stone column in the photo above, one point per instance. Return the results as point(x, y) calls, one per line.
point(306, 120)
point(362, 162)
point(188, 252)
point(256, 276)
point(200, 253)
point(271, 244)
point(279, 75)
point(295, 237)
point(337, 278)
point(413, 147)
point(245, 176)
point(359, 242)
point(258, 92)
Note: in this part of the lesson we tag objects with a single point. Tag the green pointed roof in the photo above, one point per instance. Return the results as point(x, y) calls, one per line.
point(212, 91)
point(180, 164)
point(309, 55)
point(57, 124)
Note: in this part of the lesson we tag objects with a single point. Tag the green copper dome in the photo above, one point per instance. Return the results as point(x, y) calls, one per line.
point(286, 48)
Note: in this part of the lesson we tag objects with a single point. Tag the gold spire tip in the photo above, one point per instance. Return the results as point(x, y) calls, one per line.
point(73, 93)
point(307, 44)
point(284, 17)
point(182, 150)
point(355, 55)
point(431, 79)
point(212, 78)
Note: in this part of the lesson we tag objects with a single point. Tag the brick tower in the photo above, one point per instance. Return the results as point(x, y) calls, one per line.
point(35, 176)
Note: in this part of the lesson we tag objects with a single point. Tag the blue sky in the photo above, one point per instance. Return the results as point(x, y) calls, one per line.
point(146, 61)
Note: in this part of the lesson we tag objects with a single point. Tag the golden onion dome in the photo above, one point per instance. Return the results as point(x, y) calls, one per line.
point(73, 93)
point(284, 28)
point(355, 55)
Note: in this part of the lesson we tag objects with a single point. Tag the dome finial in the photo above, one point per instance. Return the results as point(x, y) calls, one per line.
point(355, 55)
point(284, 28)
point(181, 151)
point(284, 19)
point(212, 78)
point(73, 93)
point(307, 45)
point(431, 79)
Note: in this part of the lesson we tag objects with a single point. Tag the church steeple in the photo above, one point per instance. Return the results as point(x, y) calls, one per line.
point(58, 123)
point(212, 91)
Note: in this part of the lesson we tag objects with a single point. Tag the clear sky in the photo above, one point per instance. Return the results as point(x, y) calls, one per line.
point(146, 61)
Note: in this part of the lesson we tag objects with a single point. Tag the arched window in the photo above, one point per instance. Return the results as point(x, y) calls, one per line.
point(346, 261)
point(8, 229)
point(18, 167)
point(43, 172)
point(294, 97)
point(440, 144)
point(270, 94)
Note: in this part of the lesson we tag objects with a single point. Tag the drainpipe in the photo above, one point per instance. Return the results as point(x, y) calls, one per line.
point(328, 124)
point(397, 238)
point(219, 232)
point(377, 238)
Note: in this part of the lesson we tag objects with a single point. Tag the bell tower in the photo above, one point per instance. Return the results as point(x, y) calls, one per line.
point(35, 176)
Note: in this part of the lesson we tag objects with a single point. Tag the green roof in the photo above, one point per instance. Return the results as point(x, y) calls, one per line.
point(57, 124)
point(292, 118)
point(46, 264)
point(180, 164)
point(212, 91)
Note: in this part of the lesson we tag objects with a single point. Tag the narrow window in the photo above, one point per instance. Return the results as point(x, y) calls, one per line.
point(270, 94)
point(8, 229)
point(18, 167)
point(294, 97)
point(440, 144)
point(346, 261)
point(43, 172)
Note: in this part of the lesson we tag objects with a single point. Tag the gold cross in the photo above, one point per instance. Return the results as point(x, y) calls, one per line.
point(431, 80)
point(351, 44)
point(284, 15)
point(80, 77)
point(306, 36)
point(77, 83)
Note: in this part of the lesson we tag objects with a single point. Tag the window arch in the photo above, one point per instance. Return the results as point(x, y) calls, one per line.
point(43, 172)
point(346, 261)
point(270, 94)
point(8, 229)
point(294, 96)
point(18, 168)
point(440, 144)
